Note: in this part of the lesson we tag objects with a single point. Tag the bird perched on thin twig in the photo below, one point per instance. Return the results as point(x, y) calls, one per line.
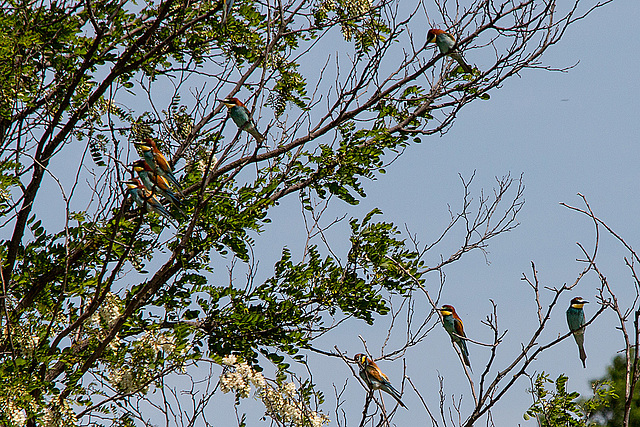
point(242, 117)
point(575, 319)
point(154, 182)
point(447, 45)
point(374, 378)
point(145, 198)
point(453, 324)
point(157, 161)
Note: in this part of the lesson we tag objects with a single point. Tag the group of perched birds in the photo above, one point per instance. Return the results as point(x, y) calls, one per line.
point(156, 178)
point(156, 174)
point(376, 380)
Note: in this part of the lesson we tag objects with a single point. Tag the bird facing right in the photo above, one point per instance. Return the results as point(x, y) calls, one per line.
point(575, 320)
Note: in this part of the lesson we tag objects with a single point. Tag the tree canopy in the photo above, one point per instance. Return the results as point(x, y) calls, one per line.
point(103, 298)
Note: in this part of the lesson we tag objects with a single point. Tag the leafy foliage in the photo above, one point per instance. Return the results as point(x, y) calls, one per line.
point(553, 408)
point(612, 414)
point(103, 300)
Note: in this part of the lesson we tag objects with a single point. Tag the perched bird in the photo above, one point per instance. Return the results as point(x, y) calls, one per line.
point(453, 324)
point(157, 161)
point(374, 378)
point(447, 45)
point(242, 118)
point(154, 182)
point(575, 319)
point(146, 198)
point(226, 9)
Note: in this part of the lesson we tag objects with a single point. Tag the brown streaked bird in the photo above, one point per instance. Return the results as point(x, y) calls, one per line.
point(374, 378)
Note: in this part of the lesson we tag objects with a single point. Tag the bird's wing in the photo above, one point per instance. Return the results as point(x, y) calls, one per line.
point(161, 182)
point(457, 323)
point(376, 374)
point(162, 161)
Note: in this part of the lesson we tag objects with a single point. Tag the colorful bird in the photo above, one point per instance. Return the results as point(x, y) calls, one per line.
point(226, 9)
point(453, 324)
point(374, 378)
point(154, 182)
point(146, 198)
point(157, 161)
point(242, 117)
point(575, 319)
point(447, 45)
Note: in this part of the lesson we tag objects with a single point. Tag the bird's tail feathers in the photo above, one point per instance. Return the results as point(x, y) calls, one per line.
point(465, 352)
point(161, 210)
point(465, 67)
point(579, 337)
point(466, 360)
point(175, 182)
point(396, 395)
point(583, 355)
point(257, 135)
point(226, 9)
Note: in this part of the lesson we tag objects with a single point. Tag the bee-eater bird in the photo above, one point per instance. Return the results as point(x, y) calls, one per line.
point(154, 182)
point(447, 45)
point(575, 319)
point(374, 378)
point(242, 118)
point(453, 324)
point(146, 198)
point(157, 161)
point(226, 9)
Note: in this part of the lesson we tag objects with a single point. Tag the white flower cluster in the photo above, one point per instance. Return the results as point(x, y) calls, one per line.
point(353, 8)
point(24, 337)
point(5, 195)
point(110, 309)
point(357, 7)
point(144, 360)
point(54, 415)
point(127, 381)
point(280, 402)
point(202, 163)
point(327, 6)
point(17, 416)
point(108, 312)
point(158, 342)
point(101, 320)
point(59, 415)
point(241, 378)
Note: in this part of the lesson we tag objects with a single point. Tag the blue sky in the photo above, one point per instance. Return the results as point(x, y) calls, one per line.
point(566, 133)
